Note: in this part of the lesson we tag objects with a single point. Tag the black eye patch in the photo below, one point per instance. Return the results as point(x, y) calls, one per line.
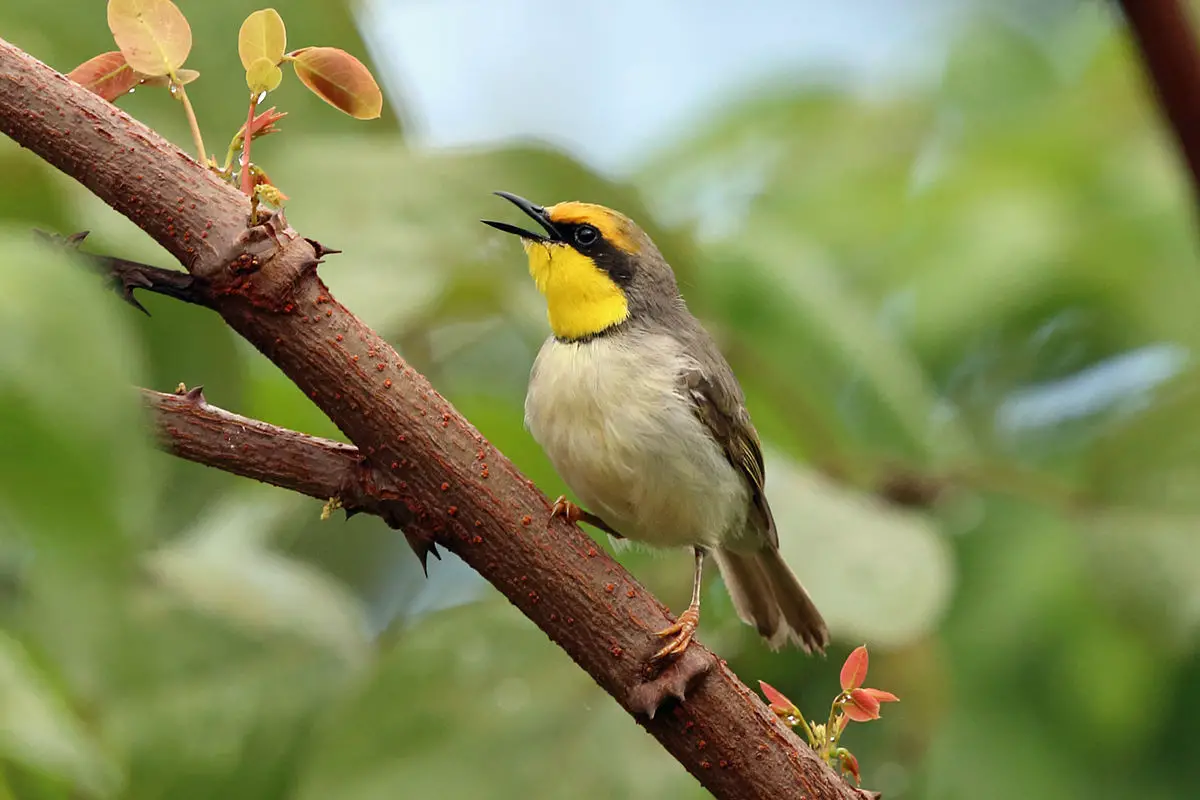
point(587, 239)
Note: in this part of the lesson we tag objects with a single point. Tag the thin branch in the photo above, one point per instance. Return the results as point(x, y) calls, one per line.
point(188, 427)
point(456, 490)
point(1167, 42)
point(125, 276)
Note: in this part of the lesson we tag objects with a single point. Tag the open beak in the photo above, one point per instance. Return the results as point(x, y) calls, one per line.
point(536, 212)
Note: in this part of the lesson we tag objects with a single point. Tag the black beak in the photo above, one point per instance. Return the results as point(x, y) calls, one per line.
point(536, 212)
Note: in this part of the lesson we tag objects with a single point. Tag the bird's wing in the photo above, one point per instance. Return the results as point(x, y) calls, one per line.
point(718, 404)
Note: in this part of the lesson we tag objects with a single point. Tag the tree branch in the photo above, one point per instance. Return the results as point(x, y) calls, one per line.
point(1167, 42)
point(188, 427)
point(125, 276)
point(455, 489)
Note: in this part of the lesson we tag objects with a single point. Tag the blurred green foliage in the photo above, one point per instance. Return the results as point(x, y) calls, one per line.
point(985, 288)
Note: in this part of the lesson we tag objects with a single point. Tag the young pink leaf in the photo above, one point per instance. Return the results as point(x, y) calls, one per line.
point(339, 79)
point(779, 703)
point(882, 696)
point(264, 123)
point(861, 706)
point(854, 671)
point(106, 75)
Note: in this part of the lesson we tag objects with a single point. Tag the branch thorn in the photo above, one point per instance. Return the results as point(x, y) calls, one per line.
point(321, 250)
point(424, 546)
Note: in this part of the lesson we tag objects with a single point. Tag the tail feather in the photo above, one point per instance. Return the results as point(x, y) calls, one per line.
point(744, 578)
point(768, 596)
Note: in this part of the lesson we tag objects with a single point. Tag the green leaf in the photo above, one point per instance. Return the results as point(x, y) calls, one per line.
point(75, 477)
point(38, 730)
point(878, 573)
point(482, 680)
point(153, 35)
point(1148, 460)
point(262, 35)
point(215, 634)
point(802, 339)
point(1146, 555)
point(263, 76)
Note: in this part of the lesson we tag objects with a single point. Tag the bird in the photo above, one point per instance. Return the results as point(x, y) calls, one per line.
point(645, 422)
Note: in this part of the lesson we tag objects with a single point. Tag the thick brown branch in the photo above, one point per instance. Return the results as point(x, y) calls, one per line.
point(455, 488)
point(1167, 41)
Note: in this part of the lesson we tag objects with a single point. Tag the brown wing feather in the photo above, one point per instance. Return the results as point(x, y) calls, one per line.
point(725, 416)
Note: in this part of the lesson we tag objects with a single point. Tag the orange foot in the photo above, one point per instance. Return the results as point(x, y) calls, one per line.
point(681, 632)
point(574, 514)
point(566, 509)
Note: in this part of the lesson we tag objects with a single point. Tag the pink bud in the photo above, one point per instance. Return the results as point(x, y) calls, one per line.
point(849, 765)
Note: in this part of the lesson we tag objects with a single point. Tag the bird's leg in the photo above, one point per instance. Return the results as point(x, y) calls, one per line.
point(684, 628)
point(573, 514)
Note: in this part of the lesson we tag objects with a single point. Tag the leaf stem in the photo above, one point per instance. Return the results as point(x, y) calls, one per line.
point(197, 139)
point(235, 147)
point(832, 731)
point(808, 732)
point(246, 138)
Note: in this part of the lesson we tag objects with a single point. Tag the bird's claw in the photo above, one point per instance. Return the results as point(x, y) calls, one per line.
point(574, 514)
point(681, 631)
point(566, 509)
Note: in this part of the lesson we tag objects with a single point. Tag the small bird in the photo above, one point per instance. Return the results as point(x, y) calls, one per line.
point(643, 418)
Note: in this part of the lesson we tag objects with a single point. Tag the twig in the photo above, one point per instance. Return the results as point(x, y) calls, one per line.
point(1167, 42)
point(190, 428)
point(458, 490)
point(125, 276)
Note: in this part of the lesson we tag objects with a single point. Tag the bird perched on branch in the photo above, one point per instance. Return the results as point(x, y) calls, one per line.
point(643, 418)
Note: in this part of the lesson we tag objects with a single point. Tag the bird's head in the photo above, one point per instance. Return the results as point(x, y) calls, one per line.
point(595, 267)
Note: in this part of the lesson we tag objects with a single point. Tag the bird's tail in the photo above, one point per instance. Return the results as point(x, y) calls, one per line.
point(768, 596)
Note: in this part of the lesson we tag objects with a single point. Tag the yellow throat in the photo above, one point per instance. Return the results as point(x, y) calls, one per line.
point(581, 299)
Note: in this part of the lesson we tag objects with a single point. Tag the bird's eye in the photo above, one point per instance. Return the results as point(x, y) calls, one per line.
point(586, 235)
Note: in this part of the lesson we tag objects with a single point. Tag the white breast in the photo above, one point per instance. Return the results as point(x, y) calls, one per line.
point(614, 424)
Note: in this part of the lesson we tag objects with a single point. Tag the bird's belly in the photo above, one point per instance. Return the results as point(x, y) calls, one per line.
point(630, 446)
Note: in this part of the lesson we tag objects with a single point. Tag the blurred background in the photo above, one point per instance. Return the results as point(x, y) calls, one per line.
point(948, 248)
